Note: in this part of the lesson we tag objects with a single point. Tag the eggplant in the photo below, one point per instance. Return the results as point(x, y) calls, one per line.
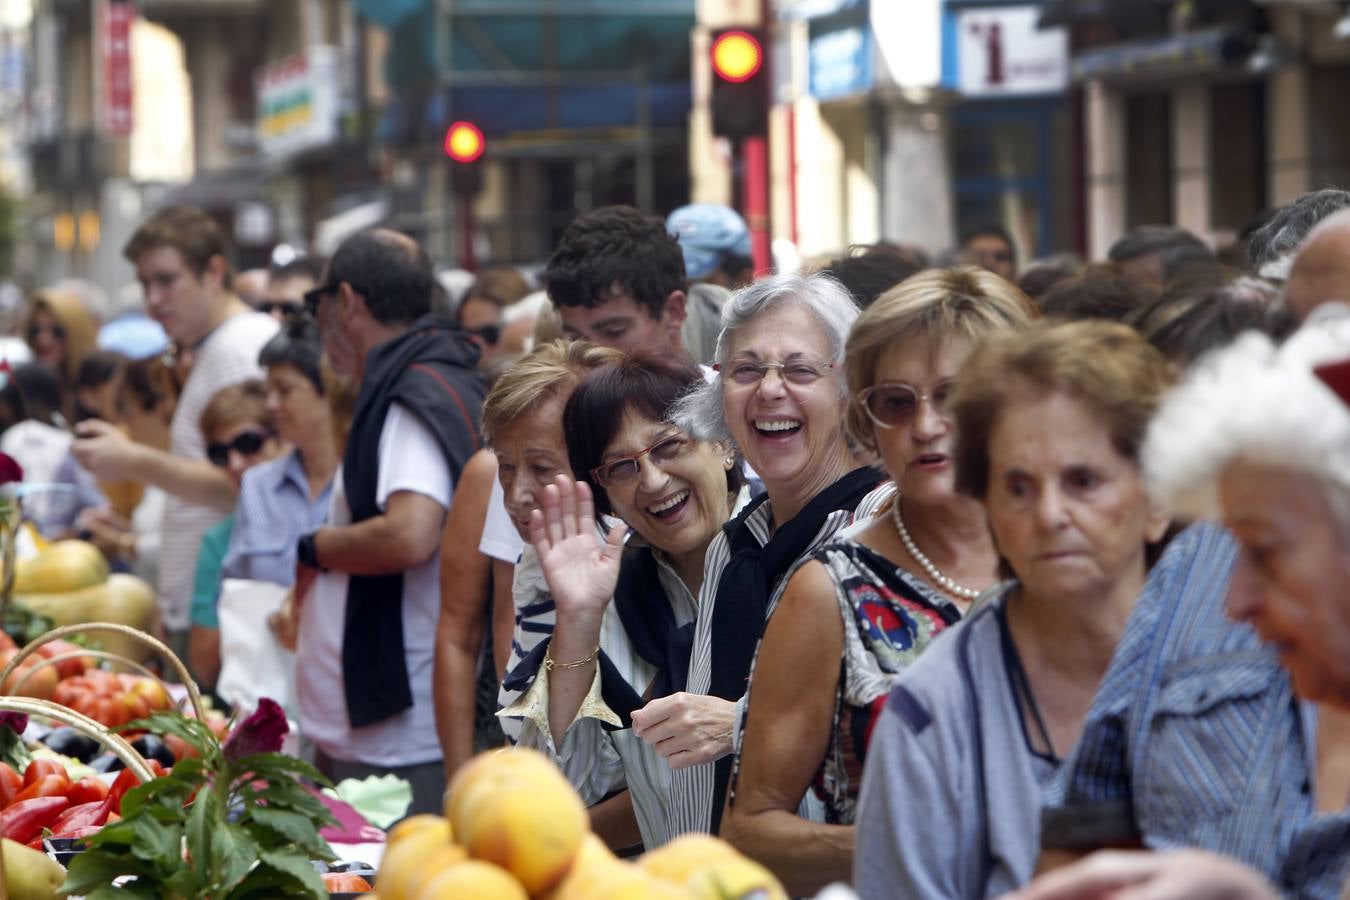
point(69, 742)
point(152, 746)
point(106, 762)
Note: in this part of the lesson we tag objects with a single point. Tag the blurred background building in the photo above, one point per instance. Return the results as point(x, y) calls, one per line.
point(300, 121)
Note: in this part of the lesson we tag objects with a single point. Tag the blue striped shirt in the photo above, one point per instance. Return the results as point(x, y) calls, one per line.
point(1195, 738)
point(274, 511)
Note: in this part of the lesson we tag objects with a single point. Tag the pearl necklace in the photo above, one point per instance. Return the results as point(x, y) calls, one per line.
point(933, 571)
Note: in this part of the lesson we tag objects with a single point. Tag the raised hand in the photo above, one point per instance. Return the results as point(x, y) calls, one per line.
point(581, 570)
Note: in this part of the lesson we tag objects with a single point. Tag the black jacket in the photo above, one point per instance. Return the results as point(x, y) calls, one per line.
point(431, 371)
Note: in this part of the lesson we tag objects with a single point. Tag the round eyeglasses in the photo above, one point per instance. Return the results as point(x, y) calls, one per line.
point(894, 404)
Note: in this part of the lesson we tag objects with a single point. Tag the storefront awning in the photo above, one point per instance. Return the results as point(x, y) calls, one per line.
point(1166, 57)
point(1071, 12)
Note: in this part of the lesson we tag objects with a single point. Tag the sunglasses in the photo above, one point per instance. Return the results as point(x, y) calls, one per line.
point(56, 330)
point(488, 334)
point(626, 469)
point(895, 404)
point(245, 444)
point(285, 307)
point(799, 372)
point(315, 296)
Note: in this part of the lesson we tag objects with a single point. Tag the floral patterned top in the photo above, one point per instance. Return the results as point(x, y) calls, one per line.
point(890, 617)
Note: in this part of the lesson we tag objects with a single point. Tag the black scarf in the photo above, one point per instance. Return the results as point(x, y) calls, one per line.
point(430, 371)
point(748, 582)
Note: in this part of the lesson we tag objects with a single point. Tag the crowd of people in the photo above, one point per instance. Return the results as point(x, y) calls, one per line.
point(932, 576)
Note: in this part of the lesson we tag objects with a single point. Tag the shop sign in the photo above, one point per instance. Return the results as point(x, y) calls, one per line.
point(1000, 51)
point(841, 61)
point(115, 63)
point(298, 102)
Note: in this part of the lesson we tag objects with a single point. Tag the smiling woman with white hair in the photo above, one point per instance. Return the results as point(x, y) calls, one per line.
point(1256, 437)
point(780, 397)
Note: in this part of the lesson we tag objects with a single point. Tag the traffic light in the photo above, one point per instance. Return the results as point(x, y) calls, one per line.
point(740, 83)
point(464, 144)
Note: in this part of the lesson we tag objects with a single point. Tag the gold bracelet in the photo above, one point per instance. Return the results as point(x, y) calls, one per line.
point(550, 665)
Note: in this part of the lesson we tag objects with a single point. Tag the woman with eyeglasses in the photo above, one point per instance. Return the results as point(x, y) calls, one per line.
point(878, 593)
point(624, 612)
point(61, 332)
point(779, 399)
point(237, 427)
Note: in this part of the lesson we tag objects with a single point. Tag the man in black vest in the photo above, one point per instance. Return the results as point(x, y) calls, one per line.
point(368, 586)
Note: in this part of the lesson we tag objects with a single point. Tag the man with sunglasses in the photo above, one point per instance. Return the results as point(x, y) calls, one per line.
point(182, 263)
point(368, 582)
point(989, 246)
point(286, 287)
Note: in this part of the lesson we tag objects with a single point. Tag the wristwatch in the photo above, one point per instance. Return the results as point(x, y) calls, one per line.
point(306, 554)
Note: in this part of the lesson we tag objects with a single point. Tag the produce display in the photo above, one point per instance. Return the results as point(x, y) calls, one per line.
point(515, 829)
point(111, 699)
point(68, 583)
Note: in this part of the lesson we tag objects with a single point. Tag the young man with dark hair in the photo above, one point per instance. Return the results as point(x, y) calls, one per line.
point(181, 260)
point(366, 631)
point(617, 279)
point(989, 246)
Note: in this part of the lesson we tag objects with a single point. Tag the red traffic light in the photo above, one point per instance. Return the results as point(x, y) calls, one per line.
point(464, 142)
point(736, 56)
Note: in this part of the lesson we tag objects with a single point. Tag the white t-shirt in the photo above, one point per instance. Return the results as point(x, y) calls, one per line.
point(500, 538)
point(228, 356)
point(410, 460)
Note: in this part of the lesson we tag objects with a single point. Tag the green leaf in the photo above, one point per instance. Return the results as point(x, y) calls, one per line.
point(132, 890)
point(280, 763)
point(266, 883)
point(203, 817)
point(197, 733)
point(93, 868)
point(298, 867)
point(155, 842)
point(234, 852)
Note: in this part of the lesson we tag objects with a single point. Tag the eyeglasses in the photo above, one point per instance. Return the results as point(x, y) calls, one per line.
point(895, 404)
point(798, 371)
point(623, 470)
point(285, 307)
point(245, 444)
point(315, 296)
point(56, 330)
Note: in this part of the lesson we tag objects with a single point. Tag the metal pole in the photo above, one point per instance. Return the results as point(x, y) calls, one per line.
point(755, 155)
point(645, 189)
point(444, 82)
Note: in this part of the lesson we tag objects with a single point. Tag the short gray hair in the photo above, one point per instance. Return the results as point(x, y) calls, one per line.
point(701, 412)
point(1259, 402)
point(1271, 247)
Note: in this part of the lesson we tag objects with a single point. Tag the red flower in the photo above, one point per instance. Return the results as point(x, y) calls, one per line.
point(259, 733)
point(16, 721)
point(9, 469)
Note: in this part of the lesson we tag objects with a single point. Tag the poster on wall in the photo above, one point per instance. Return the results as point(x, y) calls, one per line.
point(1001, 52)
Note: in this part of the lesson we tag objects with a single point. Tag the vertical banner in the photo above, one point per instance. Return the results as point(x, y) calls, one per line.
point(116, 17)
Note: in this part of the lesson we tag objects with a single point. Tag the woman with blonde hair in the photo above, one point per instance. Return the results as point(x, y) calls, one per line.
point(61, 332)
point(880, 591)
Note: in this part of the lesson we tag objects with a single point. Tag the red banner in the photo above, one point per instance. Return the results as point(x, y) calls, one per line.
point(115, 57)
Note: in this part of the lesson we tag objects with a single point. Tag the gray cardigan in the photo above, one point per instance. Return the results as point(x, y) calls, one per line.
point(951, 797)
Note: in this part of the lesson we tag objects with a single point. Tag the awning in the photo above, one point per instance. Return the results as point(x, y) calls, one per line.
point(335, 229)
point(1166, 57)
point(1071, 12)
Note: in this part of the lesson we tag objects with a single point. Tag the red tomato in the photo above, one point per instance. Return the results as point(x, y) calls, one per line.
point(126, 780)
point(344, 883)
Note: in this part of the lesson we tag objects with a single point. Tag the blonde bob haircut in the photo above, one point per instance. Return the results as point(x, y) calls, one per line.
point(76, 321)
point(549, 370)
point(1106, 366)
point(933, 306)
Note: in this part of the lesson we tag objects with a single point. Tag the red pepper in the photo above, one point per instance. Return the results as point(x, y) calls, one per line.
point(95, 813)
point(126, 780)
point(11, 782)
point(87, 790)
point(74, 834)
point(47, 786)
point(24, 820)
point(39, 768)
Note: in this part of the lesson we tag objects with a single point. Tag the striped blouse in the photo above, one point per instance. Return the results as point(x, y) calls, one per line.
point(692, 788)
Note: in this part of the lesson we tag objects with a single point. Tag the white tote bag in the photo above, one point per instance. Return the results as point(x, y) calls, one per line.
point(253, 664)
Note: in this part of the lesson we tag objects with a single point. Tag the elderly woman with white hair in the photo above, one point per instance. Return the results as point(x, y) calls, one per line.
point(1256, 438)
point(780, 397)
